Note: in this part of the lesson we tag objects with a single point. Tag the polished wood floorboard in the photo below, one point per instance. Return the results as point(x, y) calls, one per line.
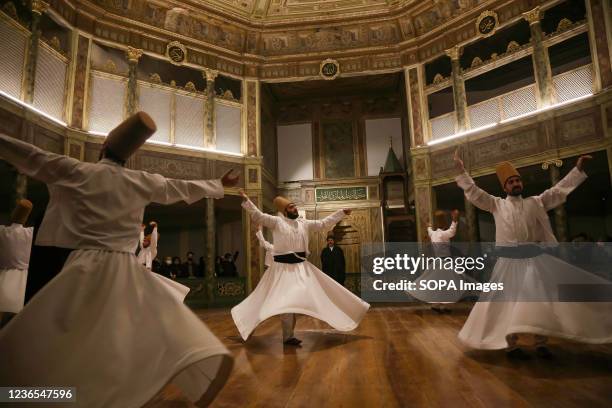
point(404, 356)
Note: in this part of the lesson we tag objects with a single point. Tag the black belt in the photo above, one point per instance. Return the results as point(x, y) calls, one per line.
point(519, 252)
point(292, 258)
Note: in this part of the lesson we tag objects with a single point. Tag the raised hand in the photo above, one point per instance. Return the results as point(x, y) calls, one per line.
point(455, 215)
point(243, 194)
point(228, 180)
point(581, 160)
point(458, 161)
point(347, 211)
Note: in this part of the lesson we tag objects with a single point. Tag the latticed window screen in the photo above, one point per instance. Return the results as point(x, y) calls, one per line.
point(484, 113)
point(107, 101)
point(156, 102)
point(228, 125)
point(574, 84)
point(189, 121)
point(519, 102)
point(12, 48)
point(49, 88)
point(442, 126)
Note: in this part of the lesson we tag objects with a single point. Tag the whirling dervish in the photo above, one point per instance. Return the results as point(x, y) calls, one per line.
point(531, 277)
point(86, 327)
point(292, 285)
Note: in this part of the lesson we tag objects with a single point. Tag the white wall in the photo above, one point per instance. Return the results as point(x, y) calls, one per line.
point(378, 132)
point(295, 152)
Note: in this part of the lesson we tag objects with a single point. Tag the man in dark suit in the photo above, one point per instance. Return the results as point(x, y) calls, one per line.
point(332, 261)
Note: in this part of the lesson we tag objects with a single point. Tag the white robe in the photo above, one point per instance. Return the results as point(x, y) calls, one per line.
point(440, 240)
point(268, 247)
point(524, 220)
point(15, 246)
point(104, 324)
point(148, 254)
point(297, 288)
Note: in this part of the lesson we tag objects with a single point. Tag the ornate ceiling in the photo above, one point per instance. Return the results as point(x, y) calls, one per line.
point(282, 10)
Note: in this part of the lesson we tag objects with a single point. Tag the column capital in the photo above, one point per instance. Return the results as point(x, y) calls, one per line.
point(133, 54)
point(39, 6)
point(547, 163)
point(209, 74)
point(454, 53)
point(533, 16)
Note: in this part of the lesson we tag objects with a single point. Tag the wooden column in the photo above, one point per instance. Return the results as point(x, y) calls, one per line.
point(417, 109)
point(210, 137)
point(133, 55)
point(560, 214)
point(459, 98)
point(600, 33)
point(541, 62)
point(211, 237)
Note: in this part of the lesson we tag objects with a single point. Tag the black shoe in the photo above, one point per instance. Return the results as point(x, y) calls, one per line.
point(544, 352)
point(292, 341)
point(517, 354)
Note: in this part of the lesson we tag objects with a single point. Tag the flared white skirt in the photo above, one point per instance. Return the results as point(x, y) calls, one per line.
point(303, 289)
point(115, 331)
point(530, 304)
point(12, 289)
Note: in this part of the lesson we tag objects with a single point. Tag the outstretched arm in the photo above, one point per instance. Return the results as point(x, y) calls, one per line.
point(256, 215)
point(557, 194)
point(34, 162)
point(327, 222)
point(262, 241)
point(473, 193)
point(169, 191)
point(154, 237)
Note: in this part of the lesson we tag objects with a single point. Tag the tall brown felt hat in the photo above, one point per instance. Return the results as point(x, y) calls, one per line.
point(440, 218)
point(504, 171)
point(130, 134)
point(281, 203)
point(21, 212)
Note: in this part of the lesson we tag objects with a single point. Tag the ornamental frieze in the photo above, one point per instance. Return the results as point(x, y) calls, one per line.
point(174, 167)
point(323, 195)
point(519, 143)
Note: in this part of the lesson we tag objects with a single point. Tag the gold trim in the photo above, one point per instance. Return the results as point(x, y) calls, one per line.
point(533, 16)
point(174, 57)
point(481, 17)
point(325, 63)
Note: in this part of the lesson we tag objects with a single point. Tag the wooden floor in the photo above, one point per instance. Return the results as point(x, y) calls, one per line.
point(398, 357)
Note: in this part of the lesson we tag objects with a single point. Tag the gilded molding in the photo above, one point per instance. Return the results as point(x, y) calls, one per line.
point(39, 6)
point(133, 54)
point(533, 16)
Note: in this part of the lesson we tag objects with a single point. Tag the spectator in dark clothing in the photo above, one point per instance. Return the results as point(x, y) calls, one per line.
point(228, 265)
point(190, 268)
point(218, 270)
point(167, 269)
point(332, 261)
point(202, 267)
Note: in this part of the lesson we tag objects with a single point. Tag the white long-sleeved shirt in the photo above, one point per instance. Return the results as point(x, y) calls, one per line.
point(267, 246)
point(440, 239)
point(15, 245)
point(519, 219)
point(97, 205)
point(148, 254)
point(290, 235)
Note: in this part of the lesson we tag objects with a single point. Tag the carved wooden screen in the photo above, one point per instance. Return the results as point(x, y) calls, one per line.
point(12, 47)
point(50, 85)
